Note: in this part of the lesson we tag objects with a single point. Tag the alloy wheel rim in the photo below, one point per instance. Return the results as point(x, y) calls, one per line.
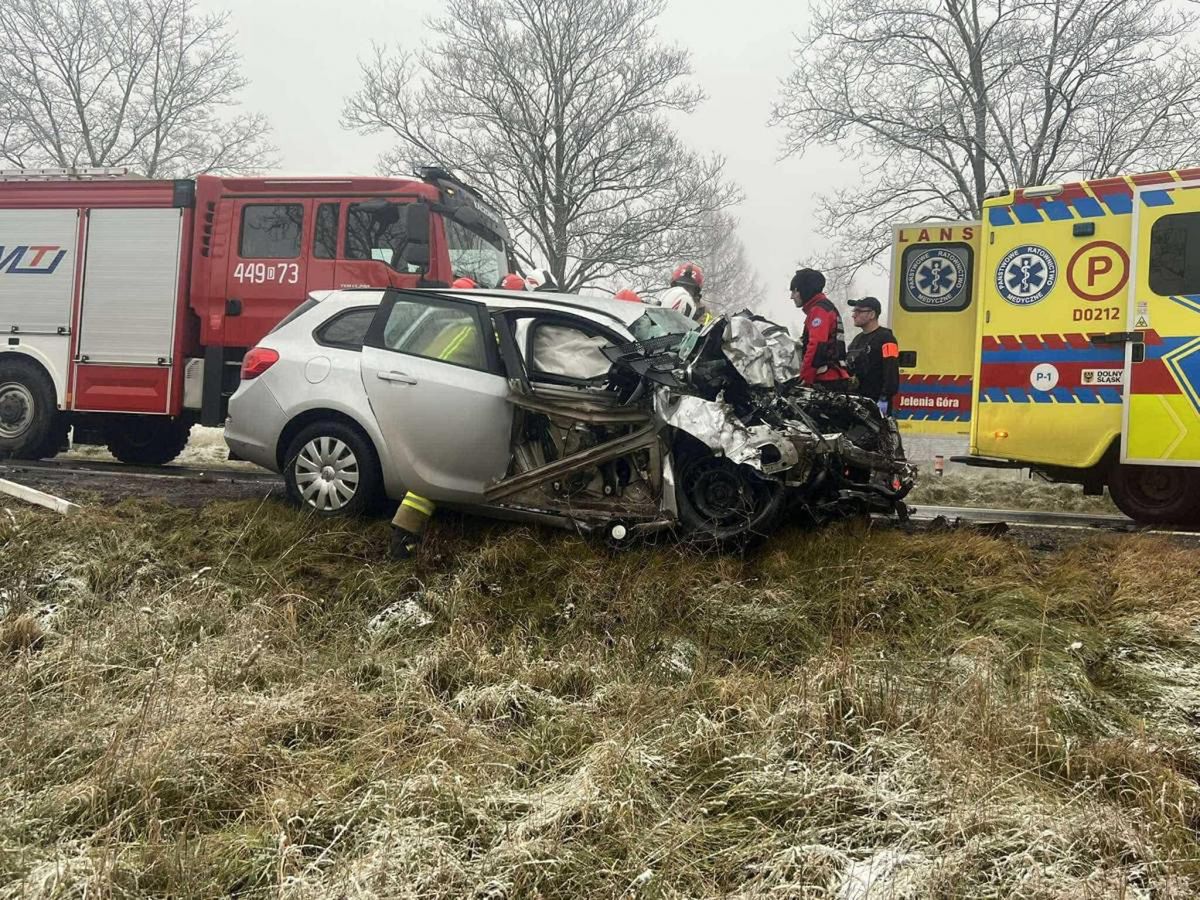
point(327, 474)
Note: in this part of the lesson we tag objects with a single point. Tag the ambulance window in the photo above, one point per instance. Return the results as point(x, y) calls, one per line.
point(325, 235)
point(1175, 255)
point(936, 277)
point(271, 231)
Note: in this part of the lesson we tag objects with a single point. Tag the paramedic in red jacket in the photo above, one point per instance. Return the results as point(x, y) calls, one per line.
point(823, 344)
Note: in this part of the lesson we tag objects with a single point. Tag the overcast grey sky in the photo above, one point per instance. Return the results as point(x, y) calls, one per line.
point(301, 59)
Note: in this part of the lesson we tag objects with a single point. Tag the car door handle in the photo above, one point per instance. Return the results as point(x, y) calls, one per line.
point(396, 377)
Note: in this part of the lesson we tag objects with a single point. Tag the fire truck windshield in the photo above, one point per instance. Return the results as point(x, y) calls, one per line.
point(475, 256)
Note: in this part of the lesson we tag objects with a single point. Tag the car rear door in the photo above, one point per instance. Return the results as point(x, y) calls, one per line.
point(432, 372)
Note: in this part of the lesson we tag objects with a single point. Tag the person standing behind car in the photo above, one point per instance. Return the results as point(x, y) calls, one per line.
point(688, 278)
point(823, 343)
point(874, 356)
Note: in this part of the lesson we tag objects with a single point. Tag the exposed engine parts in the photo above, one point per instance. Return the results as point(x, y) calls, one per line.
point(708, 430)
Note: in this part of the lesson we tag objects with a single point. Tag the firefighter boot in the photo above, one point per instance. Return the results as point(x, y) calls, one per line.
point(403, 544)
point(409, 524)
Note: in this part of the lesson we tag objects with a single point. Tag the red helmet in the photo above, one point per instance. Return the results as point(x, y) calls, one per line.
point(512, 282)
point(464, 283)
point(688, 274)
point(627, 294)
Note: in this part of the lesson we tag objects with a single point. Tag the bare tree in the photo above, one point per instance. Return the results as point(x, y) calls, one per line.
point(731, 283)
point(952, 99)
point(148, 84)
point(555, 109)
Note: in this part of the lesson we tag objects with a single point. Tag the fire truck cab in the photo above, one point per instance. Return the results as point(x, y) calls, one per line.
point(127, 304)
point(1066, 328)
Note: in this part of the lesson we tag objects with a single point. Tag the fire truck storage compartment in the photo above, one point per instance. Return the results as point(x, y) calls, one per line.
point(127, 314)
point(37, 269)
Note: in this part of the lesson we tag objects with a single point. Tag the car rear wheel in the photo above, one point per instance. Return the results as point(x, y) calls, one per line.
point(1159, 495)
point(28, 415)
point(333, 470)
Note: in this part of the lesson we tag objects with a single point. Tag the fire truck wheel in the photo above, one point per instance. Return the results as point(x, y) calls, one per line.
point(147, 440)
point(27, 411)
point(1159, 495)
point(56, 438)
point(332, 470)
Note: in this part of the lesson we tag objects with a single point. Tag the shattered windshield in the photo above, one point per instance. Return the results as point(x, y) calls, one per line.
point(658, 322)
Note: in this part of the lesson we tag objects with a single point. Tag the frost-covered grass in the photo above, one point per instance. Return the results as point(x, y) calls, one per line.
point(242, 700)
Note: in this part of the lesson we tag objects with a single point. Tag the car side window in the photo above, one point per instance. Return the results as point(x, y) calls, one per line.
point(441, 331)
point(566, 352)
point(348, 329)
point(561, 348)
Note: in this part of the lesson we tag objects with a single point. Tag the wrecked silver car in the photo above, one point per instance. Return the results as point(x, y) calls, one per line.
point(595, 415)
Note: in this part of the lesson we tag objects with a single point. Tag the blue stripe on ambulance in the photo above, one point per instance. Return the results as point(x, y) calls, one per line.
point(1085, 207)
point(1058, 395)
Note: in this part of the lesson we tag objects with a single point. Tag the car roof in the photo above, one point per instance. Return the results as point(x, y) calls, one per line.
point(623, 311)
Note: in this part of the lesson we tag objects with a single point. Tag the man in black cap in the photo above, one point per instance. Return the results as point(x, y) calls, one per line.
point(874, 356)
point(823, 343)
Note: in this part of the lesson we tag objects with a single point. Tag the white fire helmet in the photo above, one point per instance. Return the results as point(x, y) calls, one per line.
point(681, 299)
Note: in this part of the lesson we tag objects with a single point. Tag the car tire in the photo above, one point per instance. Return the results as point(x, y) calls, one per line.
point(318, 466)
point(721, 502)
point(146, 440)
point(28, 411)
point(1156, 495)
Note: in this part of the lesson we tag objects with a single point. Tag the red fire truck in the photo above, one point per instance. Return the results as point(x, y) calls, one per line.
point(126, 304)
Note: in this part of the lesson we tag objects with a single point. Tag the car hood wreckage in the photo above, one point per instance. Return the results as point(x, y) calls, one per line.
point(709, 433)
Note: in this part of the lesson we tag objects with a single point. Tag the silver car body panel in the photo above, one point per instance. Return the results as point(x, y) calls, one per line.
point(591, 447)
point(452, 467)
point(446, 427)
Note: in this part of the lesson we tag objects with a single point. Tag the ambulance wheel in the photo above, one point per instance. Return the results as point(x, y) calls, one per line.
point(147, 440)
point(1157, 495)
point(28, 413)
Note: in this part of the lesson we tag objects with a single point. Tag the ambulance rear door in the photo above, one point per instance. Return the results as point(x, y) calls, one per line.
point(1162, 369)
point(933, 314)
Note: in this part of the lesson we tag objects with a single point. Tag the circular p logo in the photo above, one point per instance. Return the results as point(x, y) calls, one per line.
point(1098, 270)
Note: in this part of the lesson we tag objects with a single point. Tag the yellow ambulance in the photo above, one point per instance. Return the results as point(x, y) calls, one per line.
point(1062, 333)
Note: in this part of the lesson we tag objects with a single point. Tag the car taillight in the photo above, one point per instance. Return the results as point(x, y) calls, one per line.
point(258, 361)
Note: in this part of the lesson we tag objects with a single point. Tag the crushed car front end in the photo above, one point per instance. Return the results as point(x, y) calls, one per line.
point(706, 431)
